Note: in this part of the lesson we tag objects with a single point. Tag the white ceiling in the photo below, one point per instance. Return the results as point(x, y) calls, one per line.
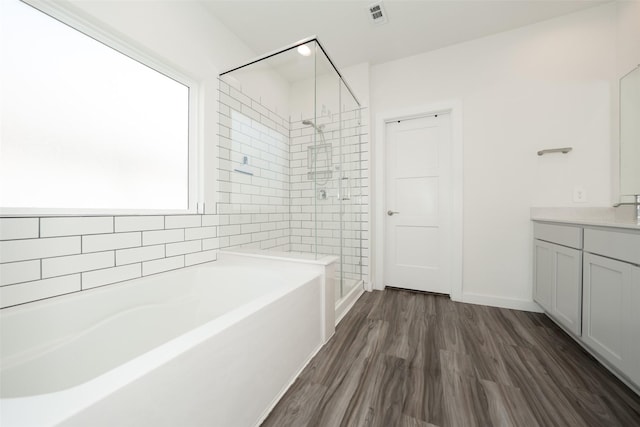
point(344, 28)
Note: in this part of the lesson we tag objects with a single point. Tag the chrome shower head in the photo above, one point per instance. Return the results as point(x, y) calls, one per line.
point(310, 123)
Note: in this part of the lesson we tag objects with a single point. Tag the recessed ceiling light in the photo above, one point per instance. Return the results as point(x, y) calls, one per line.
point(304, 50)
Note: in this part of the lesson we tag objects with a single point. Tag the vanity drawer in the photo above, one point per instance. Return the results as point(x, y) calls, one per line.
point(564, 235)
point(624, 246)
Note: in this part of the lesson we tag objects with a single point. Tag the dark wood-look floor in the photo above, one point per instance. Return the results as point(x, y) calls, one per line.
point(409, 359)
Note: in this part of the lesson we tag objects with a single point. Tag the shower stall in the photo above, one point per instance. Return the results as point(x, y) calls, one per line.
point(291, 174)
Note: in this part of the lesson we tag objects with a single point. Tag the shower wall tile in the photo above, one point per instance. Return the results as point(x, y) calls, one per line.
point(75, 226)
point(249, 205)
point(19, 228)
point(315, 221)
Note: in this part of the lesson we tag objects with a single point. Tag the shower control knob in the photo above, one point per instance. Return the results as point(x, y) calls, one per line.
point(391, 213)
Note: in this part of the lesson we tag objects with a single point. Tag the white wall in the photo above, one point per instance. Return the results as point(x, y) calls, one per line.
point(542, 86)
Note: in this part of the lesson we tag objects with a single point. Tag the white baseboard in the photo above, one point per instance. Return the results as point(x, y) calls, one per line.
point(512, 303)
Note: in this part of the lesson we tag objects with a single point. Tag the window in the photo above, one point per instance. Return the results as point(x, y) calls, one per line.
point(85, 127)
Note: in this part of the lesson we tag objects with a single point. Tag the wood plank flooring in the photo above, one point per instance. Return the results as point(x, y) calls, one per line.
point(408, 359)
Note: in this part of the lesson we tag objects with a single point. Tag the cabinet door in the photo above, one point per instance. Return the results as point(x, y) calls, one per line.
point(567, 289)
point(543, 274)
point(610, 322)
point(633, 329)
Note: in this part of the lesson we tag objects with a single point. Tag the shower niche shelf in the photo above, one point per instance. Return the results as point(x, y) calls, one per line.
point(321, 175)
point(319, 161)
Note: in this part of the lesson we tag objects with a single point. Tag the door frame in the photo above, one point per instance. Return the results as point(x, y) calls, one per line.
point(454, 108)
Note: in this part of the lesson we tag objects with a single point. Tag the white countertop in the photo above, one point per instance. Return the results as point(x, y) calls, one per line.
point(591, 222)
point(597, 217)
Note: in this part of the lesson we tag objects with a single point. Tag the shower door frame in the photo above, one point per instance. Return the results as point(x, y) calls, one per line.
point(341, 79)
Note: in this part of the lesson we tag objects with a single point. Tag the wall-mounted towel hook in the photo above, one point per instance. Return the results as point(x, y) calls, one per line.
point(564, 150)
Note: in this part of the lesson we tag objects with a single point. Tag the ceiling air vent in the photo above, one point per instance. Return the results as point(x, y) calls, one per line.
point(377, 13)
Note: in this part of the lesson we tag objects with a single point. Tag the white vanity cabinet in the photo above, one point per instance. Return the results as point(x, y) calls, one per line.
point(587, 278)
point(611, 301)
point(557, 274)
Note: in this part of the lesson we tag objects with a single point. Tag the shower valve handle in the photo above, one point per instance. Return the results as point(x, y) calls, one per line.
point(391, 213)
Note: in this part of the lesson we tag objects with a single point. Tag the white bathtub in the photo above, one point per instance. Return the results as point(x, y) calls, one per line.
point(212, 345)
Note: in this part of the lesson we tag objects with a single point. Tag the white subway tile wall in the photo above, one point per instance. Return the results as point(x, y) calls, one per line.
point(103, 250)
point(253, 210)
point(280, 207)
point(340, 191)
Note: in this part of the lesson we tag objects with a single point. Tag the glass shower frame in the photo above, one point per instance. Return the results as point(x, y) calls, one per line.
point(332, 124)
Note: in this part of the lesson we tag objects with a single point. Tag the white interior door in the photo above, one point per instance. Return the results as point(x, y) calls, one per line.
point(418, 204)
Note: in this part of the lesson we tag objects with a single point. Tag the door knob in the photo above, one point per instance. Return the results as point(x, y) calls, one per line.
point(391, 213)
